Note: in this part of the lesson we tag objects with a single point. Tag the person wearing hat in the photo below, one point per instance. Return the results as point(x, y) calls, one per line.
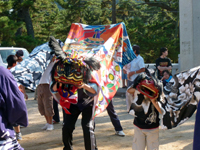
point(20, 55)
point(135, 67)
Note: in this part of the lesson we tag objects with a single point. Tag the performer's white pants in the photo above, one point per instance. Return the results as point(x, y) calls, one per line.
point(145, 137)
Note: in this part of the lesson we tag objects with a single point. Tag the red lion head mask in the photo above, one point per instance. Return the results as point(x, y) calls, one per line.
point(148, 88)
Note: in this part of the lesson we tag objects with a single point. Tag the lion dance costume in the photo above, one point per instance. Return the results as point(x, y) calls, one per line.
point(71, 72)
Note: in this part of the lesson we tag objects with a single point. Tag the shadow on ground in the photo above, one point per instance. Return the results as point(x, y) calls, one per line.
point(34, 138)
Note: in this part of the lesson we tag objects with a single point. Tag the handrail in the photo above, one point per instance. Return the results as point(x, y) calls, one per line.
point(175, 67)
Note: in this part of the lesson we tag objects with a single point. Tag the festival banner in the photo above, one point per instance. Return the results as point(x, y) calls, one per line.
point(111, 46)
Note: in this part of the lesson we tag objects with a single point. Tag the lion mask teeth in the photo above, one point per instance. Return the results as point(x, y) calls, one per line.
point(147, 88)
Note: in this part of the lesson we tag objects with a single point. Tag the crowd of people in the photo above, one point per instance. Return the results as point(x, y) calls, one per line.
point(145, 134)
point(163, 67)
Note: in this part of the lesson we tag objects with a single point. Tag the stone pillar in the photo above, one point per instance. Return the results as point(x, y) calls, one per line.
point(189, 11)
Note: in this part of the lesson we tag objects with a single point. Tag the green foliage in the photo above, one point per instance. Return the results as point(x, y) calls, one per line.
point(8, 26)
point(92, 13)
point(27, 42)
point(72, 12)
point(150, 24)
point(45, 18)
point(151, 27)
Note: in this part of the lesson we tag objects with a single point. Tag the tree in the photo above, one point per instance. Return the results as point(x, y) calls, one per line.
point(71, 12)
point(169, 5)
point(46, 18)
point(106, 15)
point(92, 13)
point(8, 24)
point(113, 11)
point(150, 24)
point(151, 27)
point(21, 7)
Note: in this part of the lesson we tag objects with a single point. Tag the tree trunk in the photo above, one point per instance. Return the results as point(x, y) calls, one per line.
point(28, 21)
point(24, 15)
point(113, 11)
point(19, 18)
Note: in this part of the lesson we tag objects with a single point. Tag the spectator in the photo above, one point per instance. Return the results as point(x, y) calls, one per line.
point(135, 67)
point(12, 110)
point(163, 63)
point(20, 55)
point(166, 77)
point(12, 61)
point(45, 98)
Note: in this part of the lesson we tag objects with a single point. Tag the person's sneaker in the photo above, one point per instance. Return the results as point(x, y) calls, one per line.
point(19, 136)
point(45, 126)
point(120, 133)
point(50, 127)
point(54, 122)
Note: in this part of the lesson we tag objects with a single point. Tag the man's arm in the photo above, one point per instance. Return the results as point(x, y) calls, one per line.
point(126, 68)
point(164, 68)
point(135, 72)
point(169, 67)
point(22, 89)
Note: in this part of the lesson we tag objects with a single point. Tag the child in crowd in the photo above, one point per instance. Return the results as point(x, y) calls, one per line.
point(166, 77)
point(19, 54)
point(12, 61)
